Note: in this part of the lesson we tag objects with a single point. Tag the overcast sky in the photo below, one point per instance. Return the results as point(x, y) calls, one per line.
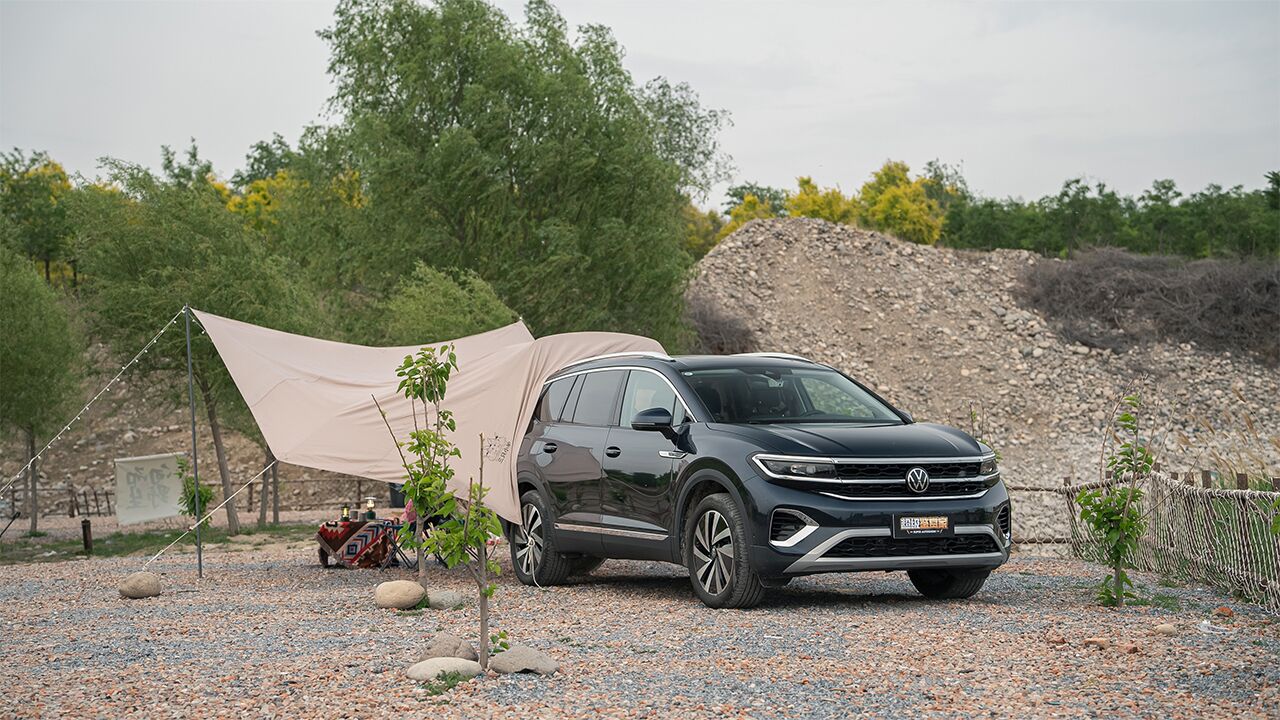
point(1023, 95)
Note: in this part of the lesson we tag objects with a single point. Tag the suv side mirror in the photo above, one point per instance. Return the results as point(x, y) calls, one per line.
point(907, 415)
point(658, 419)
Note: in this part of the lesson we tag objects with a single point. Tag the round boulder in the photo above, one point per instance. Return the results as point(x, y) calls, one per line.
point(445, 599)
point(448, 645)
point(435, 667)
point(140, 585)
point(521, 658)
point(399, 594)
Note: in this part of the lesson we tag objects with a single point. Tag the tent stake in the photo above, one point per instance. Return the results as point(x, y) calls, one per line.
point(195, 461)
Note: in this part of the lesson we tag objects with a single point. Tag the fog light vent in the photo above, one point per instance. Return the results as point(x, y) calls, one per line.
point(1002, 519)
point(789, 527)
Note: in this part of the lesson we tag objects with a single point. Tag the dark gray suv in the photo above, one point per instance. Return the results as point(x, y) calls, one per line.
point(750, 470)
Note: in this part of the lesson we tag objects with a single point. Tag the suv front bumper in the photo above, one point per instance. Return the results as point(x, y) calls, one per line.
point(857, 535)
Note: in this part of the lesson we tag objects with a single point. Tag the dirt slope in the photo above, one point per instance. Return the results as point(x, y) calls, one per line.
point(935, 330)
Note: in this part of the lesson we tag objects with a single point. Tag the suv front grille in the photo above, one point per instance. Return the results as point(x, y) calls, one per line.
point(862, 491)
point(898, 471)
point(859, 547)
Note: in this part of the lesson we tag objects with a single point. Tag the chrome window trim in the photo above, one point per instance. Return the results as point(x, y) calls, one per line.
point(602, 530)
point(628, 353)
point(801, 534)
point(759, 457)
point(689, 417)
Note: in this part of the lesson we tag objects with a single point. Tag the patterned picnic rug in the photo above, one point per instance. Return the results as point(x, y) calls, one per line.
point(356, 543)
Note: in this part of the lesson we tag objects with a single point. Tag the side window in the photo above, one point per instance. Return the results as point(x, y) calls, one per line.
point(646, 391)
point(551, 407)
point(596, 398)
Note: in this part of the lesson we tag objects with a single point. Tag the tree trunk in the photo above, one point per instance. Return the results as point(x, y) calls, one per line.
point(422, 555)
point(484, 626)
point(1116, 586)
point(220, 450)
point(262, 502)
point(33, 502)
point(47, 279)
point(275, 495)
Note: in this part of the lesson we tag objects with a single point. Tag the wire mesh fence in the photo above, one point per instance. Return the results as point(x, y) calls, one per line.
point(1196, 530)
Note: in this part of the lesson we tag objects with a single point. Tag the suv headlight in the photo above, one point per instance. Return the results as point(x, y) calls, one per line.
point(799, 468)
point(988, 467)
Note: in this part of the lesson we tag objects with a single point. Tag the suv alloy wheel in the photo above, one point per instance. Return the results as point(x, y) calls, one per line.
point(533, 546)
point(715, 541)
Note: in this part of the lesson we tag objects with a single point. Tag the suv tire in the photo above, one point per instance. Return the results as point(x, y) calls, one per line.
point(533, 546)
point(948, 584)
point(716, 553)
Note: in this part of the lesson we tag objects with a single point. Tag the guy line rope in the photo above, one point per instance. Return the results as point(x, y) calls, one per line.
point(208, 515)
point(101, 392)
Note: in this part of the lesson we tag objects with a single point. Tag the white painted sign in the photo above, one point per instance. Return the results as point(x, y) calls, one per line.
point(147, 488)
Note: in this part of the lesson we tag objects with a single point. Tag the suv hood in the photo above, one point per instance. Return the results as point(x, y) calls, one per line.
point(915, 440)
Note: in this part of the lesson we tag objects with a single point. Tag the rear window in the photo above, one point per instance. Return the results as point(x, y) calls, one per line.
point(551, 408)
point(596, 398)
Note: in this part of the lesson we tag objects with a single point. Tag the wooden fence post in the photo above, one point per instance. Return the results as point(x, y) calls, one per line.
point(71, 505)
point(1242, 481)
point(1206, 478)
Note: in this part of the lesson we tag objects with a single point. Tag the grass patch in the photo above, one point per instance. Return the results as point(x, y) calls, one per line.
point(443, 683)
point(1164, 602)
point(120, 544)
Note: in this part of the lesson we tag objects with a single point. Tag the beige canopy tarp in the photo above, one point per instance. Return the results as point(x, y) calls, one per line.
point(313, 399)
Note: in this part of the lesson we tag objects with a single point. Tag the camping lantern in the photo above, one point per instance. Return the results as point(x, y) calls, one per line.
point(368, 513)
point(346, 512)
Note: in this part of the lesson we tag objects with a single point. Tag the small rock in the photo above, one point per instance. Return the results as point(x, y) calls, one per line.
point(448, 645)
point(522, 658)
point(445, 599)
point(130, 437)
point(140, 585)
point(1166, 629)
point(1055, 639)
point(1224, 612)
point(1128, 648)
point(1100, 643)
point(399, 594)
point(435, 667)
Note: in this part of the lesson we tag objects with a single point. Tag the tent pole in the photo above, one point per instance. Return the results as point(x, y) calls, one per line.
point(195, 460)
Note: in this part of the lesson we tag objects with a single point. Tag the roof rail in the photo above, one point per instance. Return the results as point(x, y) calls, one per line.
point(631, 353)
point(780, 356)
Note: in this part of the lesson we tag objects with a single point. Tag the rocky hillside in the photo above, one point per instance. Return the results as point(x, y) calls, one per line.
point(939, 332)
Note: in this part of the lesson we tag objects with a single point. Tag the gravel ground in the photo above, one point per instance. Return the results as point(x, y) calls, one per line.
point(268, 633)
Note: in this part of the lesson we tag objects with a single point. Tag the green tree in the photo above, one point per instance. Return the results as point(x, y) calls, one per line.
point(432, 306)
point(39, 359)
point(522, 153)
point(774, 198)
point(752, 208)
point(32, 193)
point(701, 230)
point(160, 243)
point(812, 202)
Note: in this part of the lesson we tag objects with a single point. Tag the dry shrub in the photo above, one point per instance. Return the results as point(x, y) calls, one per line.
point(716, 331)
point(1112, 298)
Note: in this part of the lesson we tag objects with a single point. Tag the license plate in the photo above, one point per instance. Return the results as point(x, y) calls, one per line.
point(920, 525)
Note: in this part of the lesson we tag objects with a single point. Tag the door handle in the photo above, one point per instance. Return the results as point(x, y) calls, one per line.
point(613, 451)
point(548, 447)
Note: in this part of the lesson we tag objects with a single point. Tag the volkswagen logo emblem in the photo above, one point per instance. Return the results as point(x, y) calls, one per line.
point(917, 480)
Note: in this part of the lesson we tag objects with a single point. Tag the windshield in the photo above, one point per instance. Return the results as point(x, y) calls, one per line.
point(785, 395)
